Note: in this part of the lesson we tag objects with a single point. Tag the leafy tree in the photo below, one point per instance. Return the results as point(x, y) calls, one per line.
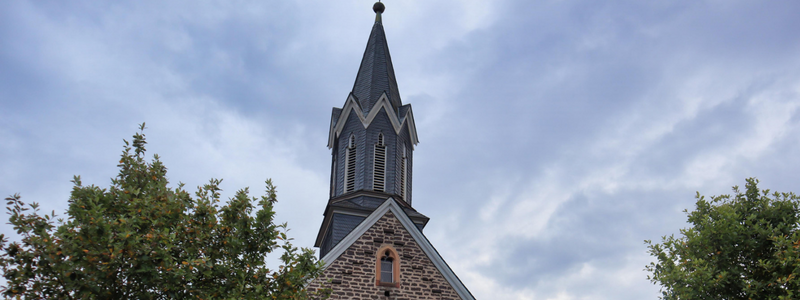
point(140, 239)
point(743, 246)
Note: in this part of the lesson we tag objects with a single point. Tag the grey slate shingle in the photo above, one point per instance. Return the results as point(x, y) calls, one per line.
point(376, 73)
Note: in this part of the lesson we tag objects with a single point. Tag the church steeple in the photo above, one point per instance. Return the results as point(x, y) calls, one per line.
point(371, 239)
point(372, 138)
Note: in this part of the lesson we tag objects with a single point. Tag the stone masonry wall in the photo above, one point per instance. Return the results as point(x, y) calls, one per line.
point(352, 275)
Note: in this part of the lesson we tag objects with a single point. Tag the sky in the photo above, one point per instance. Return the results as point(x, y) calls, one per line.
point(555, 136)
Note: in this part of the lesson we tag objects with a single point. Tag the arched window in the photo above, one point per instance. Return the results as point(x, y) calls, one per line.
point(350, 169)
point(387, 268)
point(379, 165)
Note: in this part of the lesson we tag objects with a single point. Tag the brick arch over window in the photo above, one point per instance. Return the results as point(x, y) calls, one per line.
point(387, 262)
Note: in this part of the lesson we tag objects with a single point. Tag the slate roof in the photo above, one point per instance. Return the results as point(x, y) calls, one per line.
point(376, 73)
point(335, 115)
point(402, 111)
point(362, 204)
point(368, 203)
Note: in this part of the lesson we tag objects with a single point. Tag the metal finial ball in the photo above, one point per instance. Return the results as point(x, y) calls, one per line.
point(378, 7)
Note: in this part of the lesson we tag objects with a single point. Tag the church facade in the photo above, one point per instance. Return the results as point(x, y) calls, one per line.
point(371, 239)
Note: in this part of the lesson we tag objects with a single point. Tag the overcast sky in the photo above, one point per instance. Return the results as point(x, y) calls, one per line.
point(555, 136)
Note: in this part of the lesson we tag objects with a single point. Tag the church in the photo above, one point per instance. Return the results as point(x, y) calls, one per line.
point(371, 239)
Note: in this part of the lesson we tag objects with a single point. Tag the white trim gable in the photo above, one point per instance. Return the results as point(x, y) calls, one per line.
point(391, 205)
point(383, 102)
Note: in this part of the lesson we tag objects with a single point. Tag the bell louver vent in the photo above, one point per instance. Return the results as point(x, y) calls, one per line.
point(403, 175)
point(350, 179)
point(379, 172)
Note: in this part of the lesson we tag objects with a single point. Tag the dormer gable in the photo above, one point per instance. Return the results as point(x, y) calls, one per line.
point(397, 119)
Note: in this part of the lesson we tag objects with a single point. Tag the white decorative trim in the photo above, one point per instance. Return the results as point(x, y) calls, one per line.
point(412, 128)
point(383, 102)
point(422, 241)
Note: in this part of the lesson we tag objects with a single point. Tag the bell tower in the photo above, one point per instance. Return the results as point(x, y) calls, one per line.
point(372, 139)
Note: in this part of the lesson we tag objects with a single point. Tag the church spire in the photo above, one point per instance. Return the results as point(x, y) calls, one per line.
point(376, 73)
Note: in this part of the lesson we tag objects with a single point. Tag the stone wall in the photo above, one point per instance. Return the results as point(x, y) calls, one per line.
point(353, 274)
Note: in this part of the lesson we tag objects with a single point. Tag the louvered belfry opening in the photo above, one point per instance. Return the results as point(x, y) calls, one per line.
point(379, 172)
point(333, 177)
point(351, 166)
point(403, 175)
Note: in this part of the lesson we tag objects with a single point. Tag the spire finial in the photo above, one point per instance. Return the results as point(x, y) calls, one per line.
point(378, 7)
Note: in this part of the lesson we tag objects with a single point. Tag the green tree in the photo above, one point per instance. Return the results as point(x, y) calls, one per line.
point(140, 239)
point(743, 246)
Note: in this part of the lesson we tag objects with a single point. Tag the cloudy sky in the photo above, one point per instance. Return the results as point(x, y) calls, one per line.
point(555, 136)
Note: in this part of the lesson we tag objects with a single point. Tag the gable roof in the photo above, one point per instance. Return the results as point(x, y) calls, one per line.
point(391, 205)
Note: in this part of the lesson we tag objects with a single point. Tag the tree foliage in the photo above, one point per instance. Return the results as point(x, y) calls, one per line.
point(743, 246)
point(140, 239)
